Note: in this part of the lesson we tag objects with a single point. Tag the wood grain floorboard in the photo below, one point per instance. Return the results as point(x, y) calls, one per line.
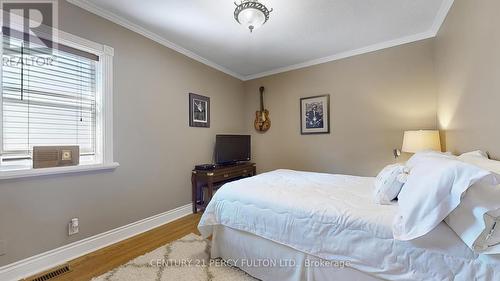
point(105, 259)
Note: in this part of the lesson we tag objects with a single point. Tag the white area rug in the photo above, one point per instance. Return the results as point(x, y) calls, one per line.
point(186, 259)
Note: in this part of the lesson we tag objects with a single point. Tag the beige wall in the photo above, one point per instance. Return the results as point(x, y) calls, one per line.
point(374, 98)
point(153, 144)
point(467, 60)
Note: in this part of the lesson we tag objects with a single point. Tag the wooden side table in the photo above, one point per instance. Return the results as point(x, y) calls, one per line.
point(214, 178)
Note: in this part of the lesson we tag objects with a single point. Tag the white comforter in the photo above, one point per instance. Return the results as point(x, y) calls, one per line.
point(334, 217)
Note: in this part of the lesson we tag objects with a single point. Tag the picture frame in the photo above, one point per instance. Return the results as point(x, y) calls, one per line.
point(315, 115)
point(199, 111)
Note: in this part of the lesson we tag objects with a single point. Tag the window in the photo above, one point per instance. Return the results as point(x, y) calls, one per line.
point(58, 96)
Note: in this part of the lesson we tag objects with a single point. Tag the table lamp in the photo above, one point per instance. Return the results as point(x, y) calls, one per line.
point(415, 141)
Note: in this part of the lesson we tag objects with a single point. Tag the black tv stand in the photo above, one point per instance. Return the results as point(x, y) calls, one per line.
point(216, 177)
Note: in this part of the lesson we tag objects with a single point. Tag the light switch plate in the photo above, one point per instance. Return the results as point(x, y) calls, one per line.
point(73, 226)
point(3, 246)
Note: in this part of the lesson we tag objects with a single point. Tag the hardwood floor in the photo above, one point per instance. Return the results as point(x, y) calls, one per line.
point(103, 260)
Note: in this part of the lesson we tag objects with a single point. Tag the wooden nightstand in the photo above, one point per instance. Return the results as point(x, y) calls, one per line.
point(215, 178)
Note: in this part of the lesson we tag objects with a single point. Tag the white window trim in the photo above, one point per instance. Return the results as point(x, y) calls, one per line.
point(28, 172)
point(104, 130)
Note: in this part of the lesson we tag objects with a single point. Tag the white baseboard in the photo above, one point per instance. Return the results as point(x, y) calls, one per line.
point(41, 262)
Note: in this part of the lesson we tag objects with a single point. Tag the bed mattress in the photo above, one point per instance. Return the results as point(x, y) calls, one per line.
point(333, 217)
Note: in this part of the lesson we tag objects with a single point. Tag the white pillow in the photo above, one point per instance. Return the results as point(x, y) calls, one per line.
point(389, 182)
point(484, 163)
point(433, 189)
point(474, 219)
point(477, 219)
point(476, 153)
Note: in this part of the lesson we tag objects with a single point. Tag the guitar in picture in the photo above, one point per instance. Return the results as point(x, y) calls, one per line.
point(262, 122)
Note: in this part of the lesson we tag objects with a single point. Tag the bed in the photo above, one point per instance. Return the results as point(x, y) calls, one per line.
point(296, 226)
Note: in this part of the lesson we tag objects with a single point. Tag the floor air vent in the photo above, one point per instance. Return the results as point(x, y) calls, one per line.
point(53, 273)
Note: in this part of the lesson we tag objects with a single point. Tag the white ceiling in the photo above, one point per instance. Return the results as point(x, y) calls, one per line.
point(299, 33)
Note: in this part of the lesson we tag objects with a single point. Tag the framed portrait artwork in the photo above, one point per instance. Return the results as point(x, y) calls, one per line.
point(315, 115)
point(199, 111)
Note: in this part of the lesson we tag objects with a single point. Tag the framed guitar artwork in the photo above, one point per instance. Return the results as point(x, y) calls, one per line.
point(262, 121)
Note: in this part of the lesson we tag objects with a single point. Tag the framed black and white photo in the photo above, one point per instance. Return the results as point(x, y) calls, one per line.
point(199, 111)
point(315, 115)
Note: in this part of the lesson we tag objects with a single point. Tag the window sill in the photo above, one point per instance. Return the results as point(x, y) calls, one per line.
point(7, 173)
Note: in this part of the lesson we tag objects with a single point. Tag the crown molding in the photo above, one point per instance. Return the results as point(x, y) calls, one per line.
point(432, 32)
point(441, 16)
point(86, 5)
point(343, 55)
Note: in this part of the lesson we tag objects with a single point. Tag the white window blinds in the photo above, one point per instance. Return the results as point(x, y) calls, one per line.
point(48, 98)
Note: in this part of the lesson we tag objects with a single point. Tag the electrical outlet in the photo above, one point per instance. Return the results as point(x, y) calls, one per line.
point(3, 246)
point(73, 226)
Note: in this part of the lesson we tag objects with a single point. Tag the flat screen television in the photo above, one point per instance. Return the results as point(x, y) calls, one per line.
point(230, 149)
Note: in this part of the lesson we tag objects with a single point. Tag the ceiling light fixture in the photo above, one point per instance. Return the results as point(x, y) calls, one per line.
point(251, 13)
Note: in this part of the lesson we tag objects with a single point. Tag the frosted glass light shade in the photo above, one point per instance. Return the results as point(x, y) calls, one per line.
point(415, 141)
point(251, 18)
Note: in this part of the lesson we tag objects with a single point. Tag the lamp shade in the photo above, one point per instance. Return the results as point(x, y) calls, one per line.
point(252, 18)
point(415, 141)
